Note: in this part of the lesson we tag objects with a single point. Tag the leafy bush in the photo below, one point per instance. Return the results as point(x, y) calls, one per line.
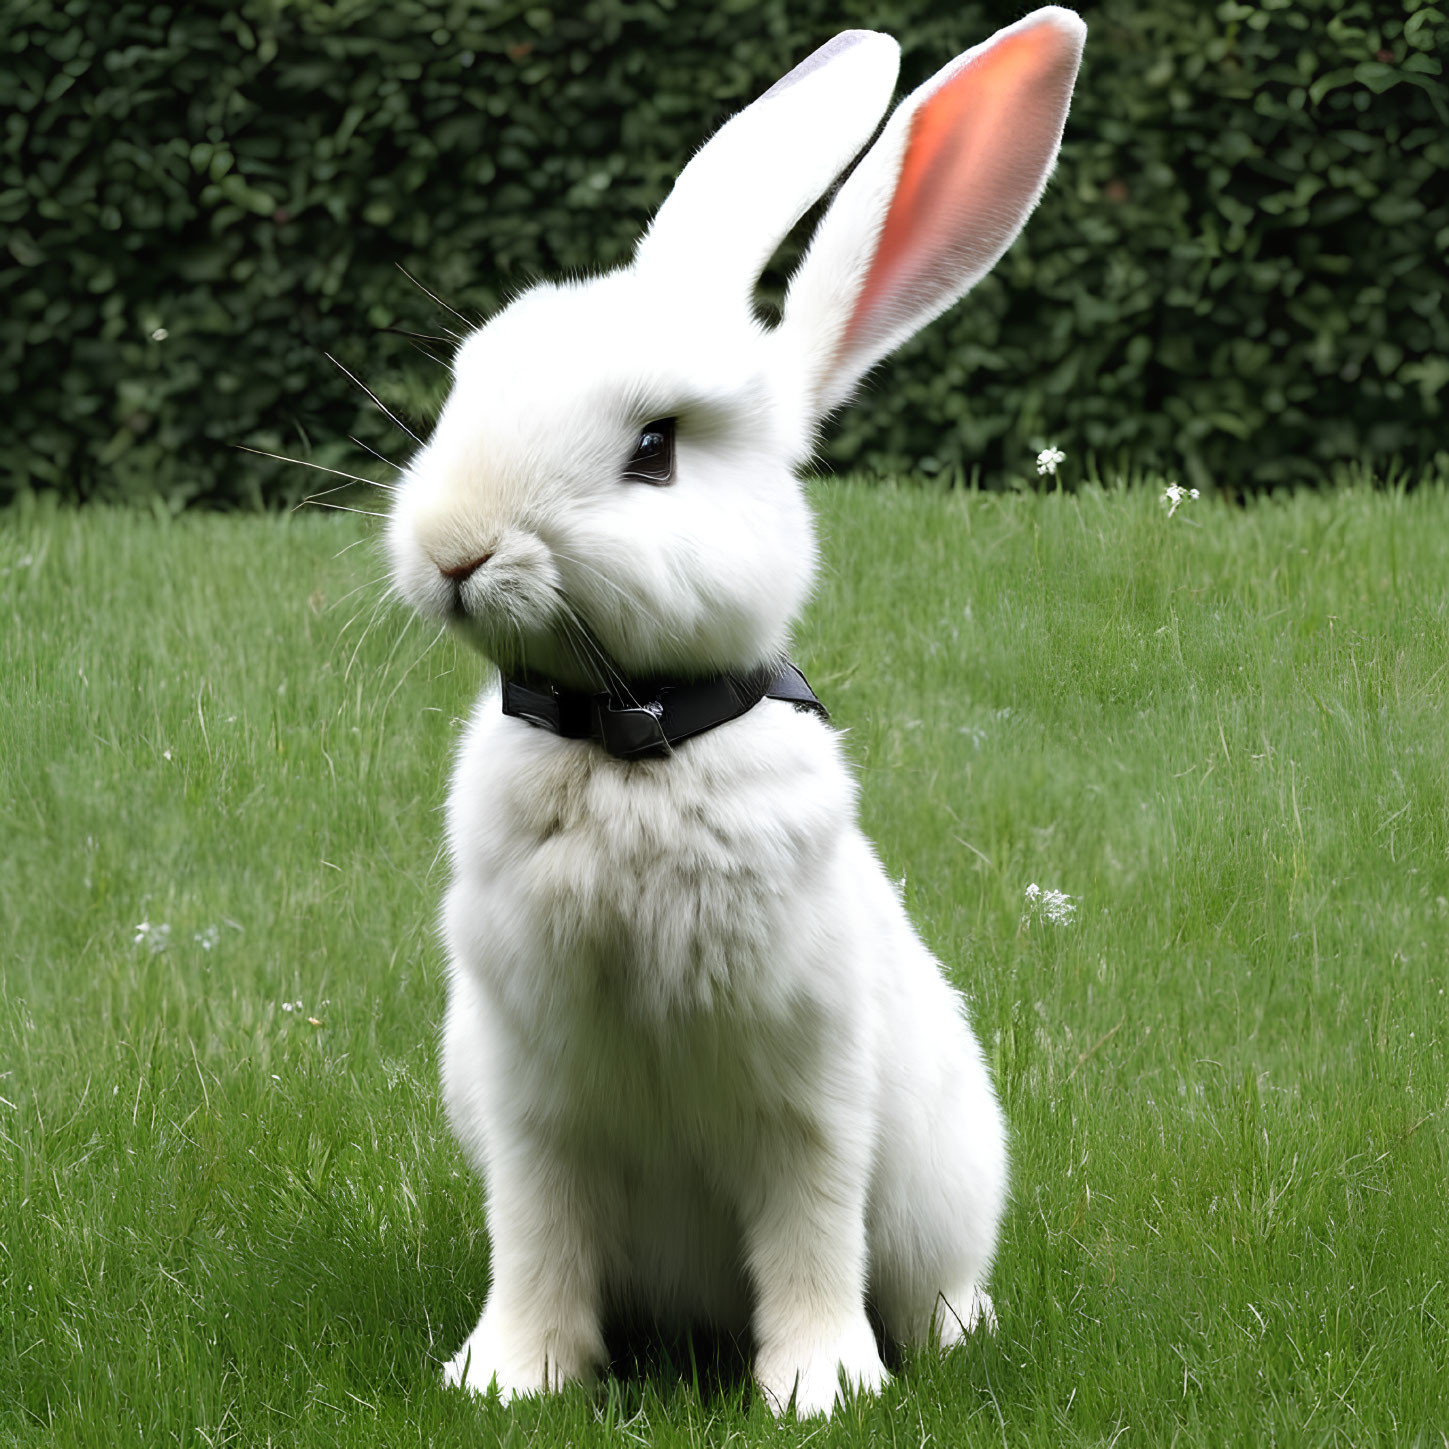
point(1237, 272)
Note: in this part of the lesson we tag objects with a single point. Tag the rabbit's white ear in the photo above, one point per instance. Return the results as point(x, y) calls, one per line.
point(737, 199)
point(934, 203)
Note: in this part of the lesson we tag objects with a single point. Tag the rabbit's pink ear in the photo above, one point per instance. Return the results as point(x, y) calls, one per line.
point(935, 202)
point(737, 199)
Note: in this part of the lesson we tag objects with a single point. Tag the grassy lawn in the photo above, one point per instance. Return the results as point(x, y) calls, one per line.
point(230, 1212)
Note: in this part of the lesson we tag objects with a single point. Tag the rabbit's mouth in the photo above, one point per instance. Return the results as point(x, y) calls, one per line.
point(503, 593)
point(526, 630)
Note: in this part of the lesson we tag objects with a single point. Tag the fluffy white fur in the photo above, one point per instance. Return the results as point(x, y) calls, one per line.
point(700, 1058)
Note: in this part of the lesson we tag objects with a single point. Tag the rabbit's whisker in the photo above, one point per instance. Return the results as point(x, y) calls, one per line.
point(371, 624)
point(422, 654)
point(611, 676)
point(368, 448)
point(327, 492)
point(364, 539)
point(588, 655)
point(431, 356)
point(340, 508)
point(369, 584)
point(467, 321)
point(416, 336)
point(518, 634)
point(638, 604)
point(342, 632)
point(382, 406)
point(303, 463)
point(396, 645)
point(577, 645)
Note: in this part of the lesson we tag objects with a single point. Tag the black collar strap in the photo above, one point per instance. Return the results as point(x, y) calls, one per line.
point(646, 720)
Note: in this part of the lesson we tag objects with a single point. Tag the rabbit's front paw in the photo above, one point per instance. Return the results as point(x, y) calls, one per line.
point(818, 1375)
point(484, 1363)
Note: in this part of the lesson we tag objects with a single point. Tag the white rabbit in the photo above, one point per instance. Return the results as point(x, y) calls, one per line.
point(705, 1066)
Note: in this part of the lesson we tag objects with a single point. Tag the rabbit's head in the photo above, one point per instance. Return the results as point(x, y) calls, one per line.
point(611, 484)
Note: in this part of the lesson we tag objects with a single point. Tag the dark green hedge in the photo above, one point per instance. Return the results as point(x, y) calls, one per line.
point(1238, 273)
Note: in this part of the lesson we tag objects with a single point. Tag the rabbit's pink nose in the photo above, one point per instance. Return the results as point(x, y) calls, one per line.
point(463, 571)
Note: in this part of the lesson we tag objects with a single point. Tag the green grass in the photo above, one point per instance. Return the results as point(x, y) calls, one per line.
point(226, 1222)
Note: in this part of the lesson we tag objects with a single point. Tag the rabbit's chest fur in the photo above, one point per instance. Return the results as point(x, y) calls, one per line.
point(677, 985)
point(643, 930)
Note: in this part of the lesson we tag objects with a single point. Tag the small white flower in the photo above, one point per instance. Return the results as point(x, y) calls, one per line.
point(160, 335)
point(1047, 905)
point(1048, 460)
point(165, 754)
point(208, 938)
point(157, 936)
point(1174, 494)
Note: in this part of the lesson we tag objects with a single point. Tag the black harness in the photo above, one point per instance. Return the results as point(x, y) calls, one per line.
point(645, 720)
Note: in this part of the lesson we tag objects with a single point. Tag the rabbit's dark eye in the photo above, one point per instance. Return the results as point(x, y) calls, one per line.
point(653, 459)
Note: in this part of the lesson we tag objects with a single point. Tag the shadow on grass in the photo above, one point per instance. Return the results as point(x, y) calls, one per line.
point(715, 1366)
